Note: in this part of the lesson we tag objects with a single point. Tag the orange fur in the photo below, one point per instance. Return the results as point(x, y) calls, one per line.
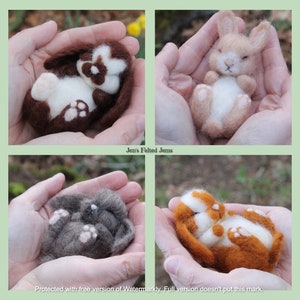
point(223, 239)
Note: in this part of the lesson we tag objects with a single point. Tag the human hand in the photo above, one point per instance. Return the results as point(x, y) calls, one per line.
point(28, 220)
point(185, 272)
point(272, 98)
point(27, 52)
point(272, 121)
point(177, 73)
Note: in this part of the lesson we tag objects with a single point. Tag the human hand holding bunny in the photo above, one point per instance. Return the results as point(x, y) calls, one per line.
point(179, 70)
point(185, 272)
point(28, 217)
point(27, 52)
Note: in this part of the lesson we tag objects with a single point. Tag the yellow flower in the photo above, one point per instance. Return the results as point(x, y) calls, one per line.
point(142, 20)
point(134, 29)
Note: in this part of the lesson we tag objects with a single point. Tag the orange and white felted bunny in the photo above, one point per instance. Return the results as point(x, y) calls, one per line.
point(223, 239)
point(223, 101)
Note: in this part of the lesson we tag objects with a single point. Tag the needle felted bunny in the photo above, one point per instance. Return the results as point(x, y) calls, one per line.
point(223, 239)
point(94, 226)
point(223, 101)
point(82, 85)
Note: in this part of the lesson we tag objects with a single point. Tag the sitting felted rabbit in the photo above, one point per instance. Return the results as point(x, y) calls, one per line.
point(82, 85)
point(223, 239)
point(223, 102)
point(94, 226)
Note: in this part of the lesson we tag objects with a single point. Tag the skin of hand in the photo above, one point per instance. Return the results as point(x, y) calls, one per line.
point(27, 52)
point(29, 214)
point(185, 272)
point(179, 70)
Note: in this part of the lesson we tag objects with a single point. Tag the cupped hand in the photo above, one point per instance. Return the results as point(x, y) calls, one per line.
point(28, 220)
point(178, 71)
point(27, 52)
point(185, 272)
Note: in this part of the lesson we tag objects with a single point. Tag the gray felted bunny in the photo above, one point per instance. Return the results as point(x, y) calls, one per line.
point(94, 226)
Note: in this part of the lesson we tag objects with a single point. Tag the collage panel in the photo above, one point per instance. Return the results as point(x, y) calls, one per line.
point(223, 222)
point(74, 219)
point(76, 77)
point(224, 77)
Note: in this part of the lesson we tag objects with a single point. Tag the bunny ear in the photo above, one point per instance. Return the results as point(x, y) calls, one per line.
point(259, 36)
point(227, 23)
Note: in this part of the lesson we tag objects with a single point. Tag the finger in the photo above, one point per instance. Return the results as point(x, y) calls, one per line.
point(274, 63)
point(165, 62)
point(137, 216)
point(39, 194)
point(195, 48)
point(128, 130)
point(115, 181)
point(173, 203)
point(185, 272)
point(137, 103)
point(24, 43)
point(82, 36)
point(165, 236)
point(113, 271)
point(131, 44)
point(130, 192)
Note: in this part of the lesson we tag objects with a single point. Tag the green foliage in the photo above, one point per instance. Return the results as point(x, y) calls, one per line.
point(282, 25)
point(16, 189)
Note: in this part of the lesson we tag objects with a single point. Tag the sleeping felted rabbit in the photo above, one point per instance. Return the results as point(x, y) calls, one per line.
point(223, 239)
point(82, 85)
point(222, 102)
point(95, 226)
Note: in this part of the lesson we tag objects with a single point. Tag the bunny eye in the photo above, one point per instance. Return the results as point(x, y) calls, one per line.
point(245, 57)
point(219, 50)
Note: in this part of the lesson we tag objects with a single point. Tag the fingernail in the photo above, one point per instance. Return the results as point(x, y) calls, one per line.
point(171, 265)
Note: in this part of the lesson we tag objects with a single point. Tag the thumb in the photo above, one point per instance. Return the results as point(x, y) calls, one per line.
point(187, 273)
point(113, 271)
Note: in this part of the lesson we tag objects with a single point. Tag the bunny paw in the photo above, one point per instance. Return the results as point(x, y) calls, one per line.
point(57, 215)
point(236, 232)
point(88, 233)
point(203, 91)
point(243, 101)
point(77, 109)
point(44, 86)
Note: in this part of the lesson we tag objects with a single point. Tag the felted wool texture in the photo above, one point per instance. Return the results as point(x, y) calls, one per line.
point(81, 86)
point(222, 102)
point(225, 240)
point(95, 226)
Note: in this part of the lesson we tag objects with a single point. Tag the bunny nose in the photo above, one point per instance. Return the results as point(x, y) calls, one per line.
point(229, 62)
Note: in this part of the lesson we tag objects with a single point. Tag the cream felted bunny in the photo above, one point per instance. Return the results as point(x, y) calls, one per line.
point(223, 102)
point(84, 85)
point(94, 226)
point(223, 239)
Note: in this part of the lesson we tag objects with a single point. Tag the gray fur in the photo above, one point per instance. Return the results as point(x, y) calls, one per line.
point(94, 226)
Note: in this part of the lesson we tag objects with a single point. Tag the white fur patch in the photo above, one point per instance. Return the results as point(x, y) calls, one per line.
point(216, 206)
point(193, 203)
point(66, 91)
point(225, 91)
point(93, 206)
point(88, 232)
point(60, 213)
point(114, 67)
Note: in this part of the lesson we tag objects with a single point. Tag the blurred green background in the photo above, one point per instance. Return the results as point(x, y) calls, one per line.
point(27, 170)
point(177, 26)
point(256, 179)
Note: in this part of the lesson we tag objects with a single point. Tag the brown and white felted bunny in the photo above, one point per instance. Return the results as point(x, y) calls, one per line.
point(82, 85)
point(223, 239)
point(223, 101)
point(95, 226)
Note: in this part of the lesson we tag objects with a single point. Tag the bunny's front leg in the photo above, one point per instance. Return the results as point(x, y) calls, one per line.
point(247, 84)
